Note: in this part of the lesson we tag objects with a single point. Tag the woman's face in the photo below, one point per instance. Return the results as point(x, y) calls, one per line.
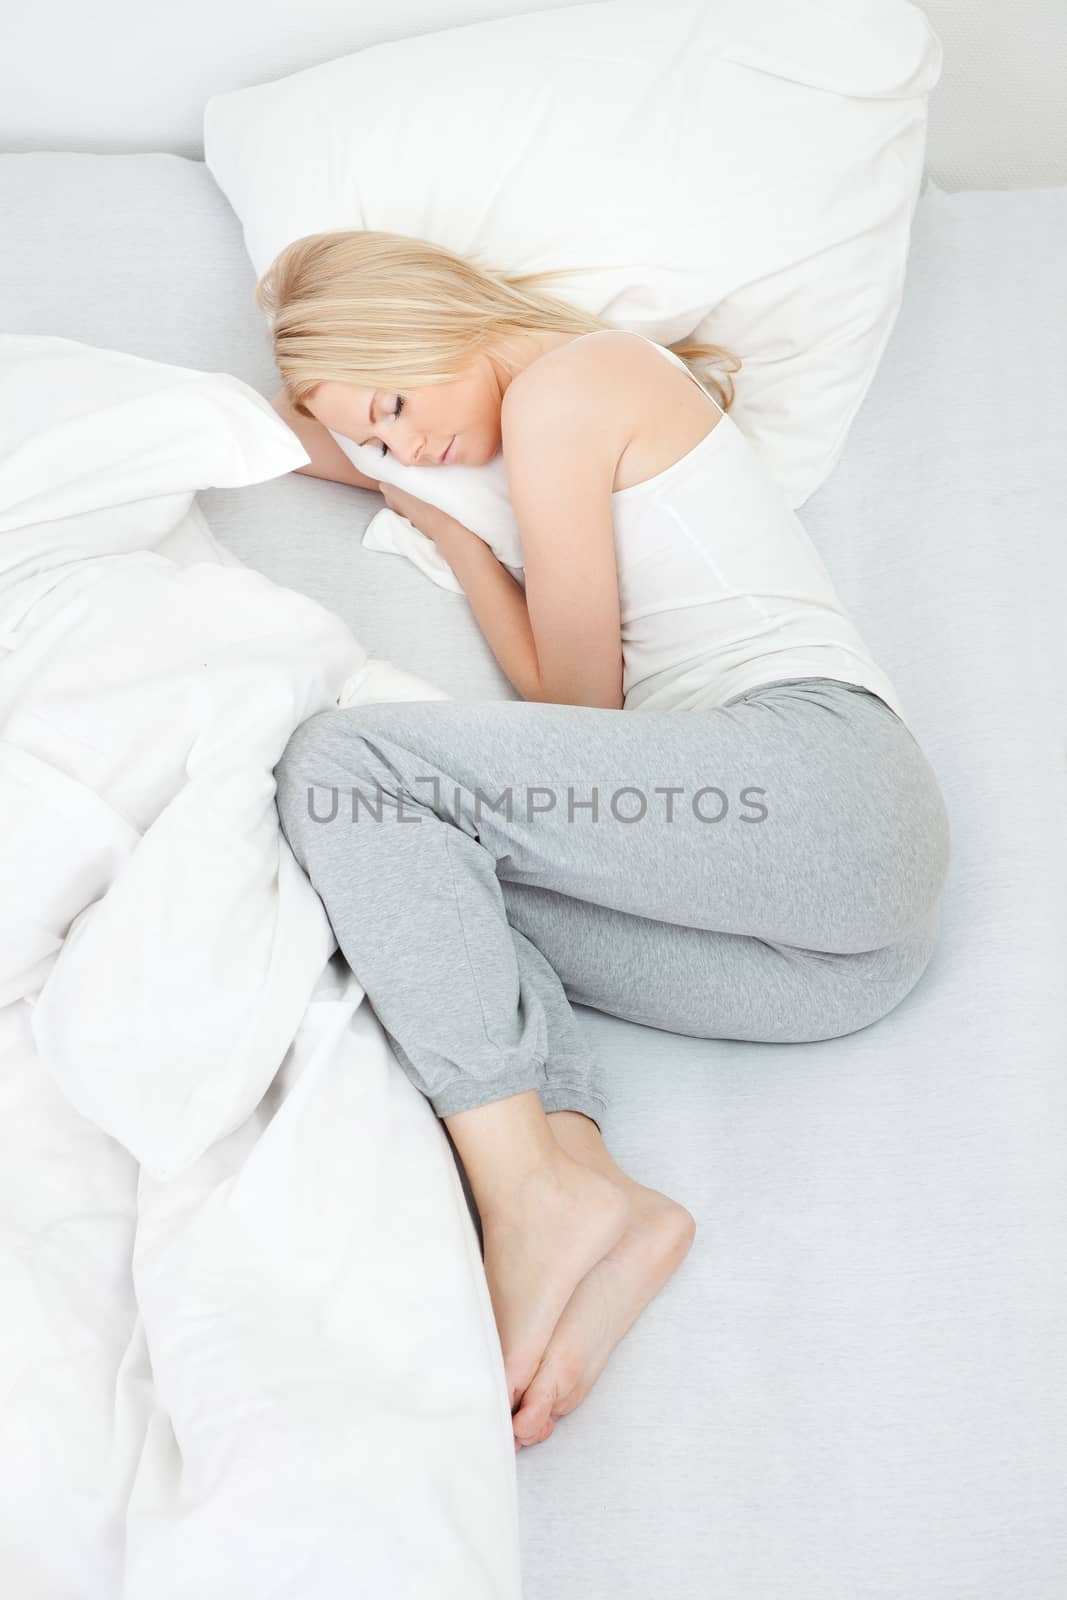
point(467, 407)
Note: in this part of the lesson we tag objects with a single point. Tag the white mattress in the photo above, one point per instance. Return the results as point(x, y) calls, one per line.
point(853, 1388)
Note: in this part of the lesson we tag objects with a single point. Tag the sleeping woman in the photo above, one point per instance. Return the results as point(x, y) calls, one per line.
point(754, 849)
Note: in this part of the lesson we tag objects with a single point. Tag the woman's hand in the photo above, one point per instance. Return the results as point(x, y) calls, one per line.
point(429, 520)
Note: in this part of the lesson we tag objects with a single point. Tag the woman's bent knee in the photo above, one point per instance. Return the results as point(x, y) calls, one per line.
point(875, 982)
point(308, 763)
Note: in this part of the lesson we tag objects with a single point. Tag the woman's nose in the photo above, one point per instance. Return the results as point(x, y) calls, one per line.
point(415, 455)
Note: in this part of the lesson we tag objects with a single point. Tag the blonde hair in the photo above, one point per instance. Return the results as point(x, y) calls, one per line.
point(387, 311)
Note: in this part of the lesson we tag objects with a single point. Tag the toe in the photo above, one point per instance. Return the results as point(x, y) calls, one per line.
point(539, 1437)
point(528, 1423)
point(536, 1407)
point(519, 1377)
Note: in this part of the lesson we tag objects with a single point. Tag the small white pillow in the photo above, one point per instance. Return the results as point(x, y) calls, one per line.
point(745, 175)
point(394, 535)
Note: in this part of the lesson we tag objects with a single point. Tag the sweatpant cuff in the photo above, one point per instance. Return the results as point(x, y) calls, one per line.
point(466, 1094)
point(557, 1096)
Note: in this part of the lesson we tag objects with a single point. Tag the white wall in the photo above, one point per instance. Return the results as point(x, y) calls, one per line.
point(128, 75)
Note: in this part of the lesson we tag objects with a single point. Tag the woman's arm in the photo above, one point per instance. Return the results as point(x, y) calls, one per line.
point(560, 453)
point(501, 611)
point(498, 603)
point(561, 458)
point(328, 460)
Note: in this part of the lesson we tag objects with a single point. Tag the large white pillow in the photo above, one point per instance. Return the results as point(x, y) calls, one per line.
point(741, 174)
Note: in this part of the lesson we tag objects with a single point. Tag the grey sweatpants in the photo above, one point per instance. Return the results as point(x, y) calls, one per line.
point(770, 869)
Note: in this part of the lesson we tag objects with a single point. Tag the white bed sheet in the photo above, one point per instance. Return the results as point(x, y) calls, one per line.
point(853, 1389)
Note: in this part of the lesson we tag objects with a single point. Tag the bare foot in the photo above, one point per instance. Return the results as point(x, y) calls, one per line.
point(557, 1225)
point(603, 1307)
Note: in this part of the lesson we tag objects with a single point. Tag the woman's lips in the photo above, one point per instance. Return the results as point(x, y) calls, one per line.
point(448, 453)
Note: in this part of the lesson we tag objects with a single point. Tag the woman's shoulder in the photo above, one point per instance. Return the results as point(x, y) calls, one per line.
point(599, 380)
point(597, 360)
point(625, 376)
point(617, 392)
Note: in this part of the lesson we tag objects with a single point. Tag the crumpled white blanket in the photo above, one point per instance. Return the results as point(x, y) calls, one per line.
point(247, 1343)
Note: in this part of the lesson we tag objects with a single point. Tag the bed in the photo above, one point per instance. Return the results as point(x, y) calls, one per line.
point(853, 1387)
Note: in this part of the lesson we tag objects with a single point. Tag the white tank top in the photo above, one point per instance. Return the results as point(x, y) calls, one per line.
point(720, 586)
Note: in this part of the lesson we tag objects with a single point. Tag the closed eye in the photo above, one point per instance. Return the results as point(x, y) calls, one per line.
point(394, 414)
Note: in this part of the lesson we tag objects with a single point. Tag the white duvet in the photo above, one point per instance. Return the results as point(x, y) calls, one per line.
point(246, 1343)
